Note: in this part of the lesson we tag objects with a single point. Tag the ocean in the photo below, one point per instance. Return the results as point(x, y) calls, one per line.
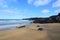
point(7, 23)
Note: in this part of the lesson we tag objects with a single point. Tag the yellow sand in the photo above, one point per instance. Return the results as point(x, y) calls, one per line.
point(30, 32)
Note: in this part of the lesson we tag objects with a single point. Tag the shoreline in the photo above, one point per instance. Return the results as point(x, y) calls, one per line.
point(14, 27)
point(31, 32)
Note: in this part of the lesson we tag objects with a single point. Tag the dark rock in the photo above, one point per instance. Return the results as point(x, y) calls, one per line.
point(21, 27)
point(38, 25)
point(40, 29)
point(59, 14)
point(51, 19)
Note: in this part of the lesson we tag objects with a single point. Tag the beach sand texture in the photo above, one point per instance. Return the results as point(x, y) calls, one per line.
point(31, 32)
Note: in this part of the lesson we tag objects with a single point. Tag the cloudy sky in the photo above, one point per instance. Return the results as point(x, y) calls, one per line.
point(18, 9)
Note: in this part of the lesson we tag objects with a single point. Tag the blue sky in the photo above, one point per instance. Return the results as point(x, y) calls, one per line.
point(18, 9)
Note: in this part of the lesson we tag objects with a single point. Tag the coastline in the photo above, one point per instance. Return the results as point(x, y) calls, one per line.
point(31, 32)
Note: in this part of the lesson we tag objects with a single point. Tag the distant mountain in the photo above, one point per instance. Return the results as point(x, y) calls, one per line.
point(51, 19)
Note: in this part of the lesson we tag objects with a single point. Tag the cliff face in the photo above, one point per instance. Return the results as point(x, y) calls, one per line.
point(51, 19)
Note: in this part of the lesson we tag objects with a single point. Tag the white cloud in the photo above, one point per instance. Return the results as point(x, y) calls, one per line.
point(10, 13)
point(30, 1)
point(14, 11)
point(5, 3)
point(45, 11)
point(56, 4)
point(39, 2)
point(7, 11)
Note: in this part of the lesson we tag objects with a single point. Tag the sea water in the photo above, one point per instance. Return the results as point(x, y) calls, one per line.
point(11, 23)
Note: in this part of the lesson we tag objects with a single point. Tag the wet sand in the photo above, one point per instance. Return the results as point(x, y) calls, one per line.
point(31, 32)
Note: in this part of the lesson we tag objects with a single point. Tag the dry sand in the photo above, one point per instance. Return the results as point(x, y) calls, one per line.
point(30, 32)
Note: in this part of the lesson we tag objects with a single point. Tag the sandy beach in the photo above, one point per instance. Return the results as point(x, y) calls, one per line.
point(50, 31)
